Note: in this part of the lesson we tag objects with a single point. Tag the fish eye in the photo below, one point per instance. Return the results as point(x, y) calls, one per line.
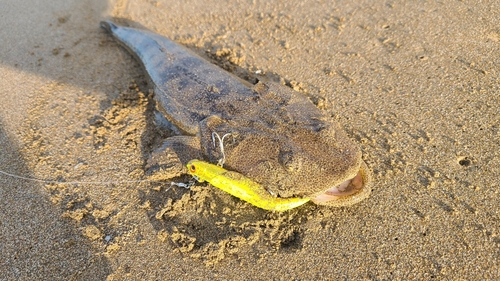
point(192, 168)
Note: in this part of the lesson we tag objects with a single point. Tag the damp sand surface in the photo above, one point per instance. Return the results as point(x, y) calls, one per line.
point(415, 84)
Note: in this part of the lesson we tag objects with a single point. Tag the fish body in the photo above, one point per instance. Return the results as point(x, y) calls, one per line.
point(275, 137)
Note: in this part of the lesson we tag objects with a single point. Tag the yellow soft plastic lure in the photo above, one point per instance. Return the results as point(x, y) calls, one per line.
point(242, 187)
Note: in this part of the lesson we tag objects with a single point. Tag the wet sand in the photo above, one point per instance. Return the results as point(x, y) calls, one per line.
point(415, 84)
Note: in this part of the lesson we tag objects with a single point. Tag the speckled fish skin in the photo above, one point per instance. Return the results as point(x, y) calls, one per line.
point(174, 69)
point(278, 138)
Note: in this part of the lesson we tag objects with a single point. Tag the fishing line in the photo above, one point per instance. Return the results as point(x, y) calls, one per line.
point(33, 179)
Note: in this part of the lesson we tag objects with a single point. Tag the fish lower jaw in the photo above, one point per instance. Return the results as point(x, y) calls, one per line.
point(348, 192)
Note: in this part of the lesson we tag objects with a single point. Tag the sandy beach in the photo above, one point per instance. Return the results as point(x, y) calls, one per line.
point(414, 83)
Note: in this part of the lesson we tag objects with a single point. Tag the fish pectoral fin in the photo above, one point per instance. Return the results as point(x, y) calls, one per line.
point(169, 160)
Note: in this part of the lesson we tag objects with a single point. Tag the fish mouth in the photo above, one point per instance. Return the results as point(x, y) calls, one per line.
point(348, 192)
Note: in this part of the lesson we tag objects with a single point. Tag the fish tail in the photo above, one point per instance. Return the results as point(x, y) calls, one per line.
point(108, 26)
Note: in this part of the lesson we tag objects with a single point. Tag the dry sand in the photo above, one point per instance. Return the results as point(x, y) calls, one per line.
point(416, 83)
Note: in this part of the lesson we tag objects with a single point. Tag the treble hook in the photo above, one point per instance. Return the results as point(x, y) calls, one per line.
point(221, 161)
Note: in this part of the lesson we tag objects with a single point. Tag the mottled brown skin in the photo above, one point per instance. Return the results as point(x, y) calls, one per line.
point(278, 138)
